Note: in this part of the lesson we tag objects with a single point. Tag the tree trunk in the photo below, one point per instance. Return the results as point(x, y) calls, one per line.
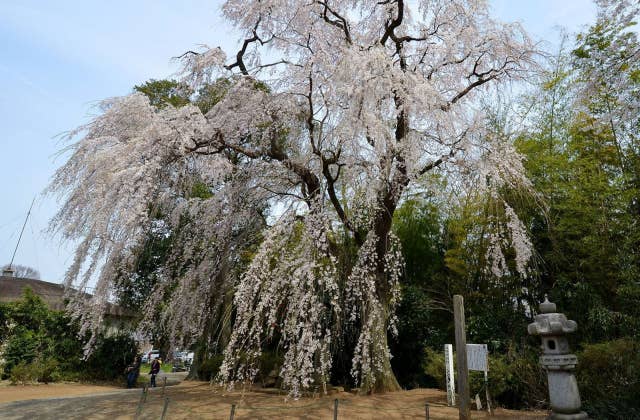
point(385, 379)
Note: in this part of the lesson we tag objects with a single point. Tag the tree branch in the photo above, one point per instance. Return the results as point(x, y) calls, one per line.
point(391, 26)
point(340, 23)
point(240, 55)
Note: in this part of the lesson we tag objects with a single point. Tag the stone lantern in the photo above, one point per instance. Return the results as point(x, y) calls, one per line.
point(552, 327)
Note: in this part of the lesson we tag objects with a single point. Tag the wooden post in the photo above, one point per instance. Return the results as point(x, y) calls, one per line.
point(426, 410)
point(164, 409)
point(335, 409)
point(461, 358)
point(233, 412)
point(143, 398)
point(486, 390)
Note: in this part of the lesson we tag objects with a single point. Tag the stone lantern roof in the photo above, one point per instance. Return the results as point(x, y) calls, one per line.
point(550, 322)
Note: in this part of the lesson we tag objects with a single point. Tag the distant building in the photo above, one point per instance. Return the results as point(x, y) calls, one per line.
point(12, 289)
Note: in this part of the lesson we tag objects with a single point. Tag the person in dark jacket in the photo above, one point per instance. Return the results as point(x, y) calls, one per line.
point(132, 371)
point(155, 369)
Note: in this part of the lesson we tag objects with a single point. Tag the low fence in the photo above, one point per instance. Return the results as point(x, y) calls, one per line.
point(321, 408)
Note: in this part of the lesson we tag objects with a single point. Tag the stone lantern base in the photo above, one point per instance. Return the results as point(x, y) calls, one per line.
point(577, 416)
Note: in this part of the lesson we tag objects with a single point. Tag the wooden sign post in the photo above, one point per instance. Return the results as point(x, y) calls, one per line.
point(448, 366)
point(461, 357)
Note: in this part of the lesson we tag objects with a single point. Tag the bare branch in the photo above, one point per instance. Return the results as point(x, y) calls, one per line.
point(240, 55)
point(391, 26)
point(340, 23)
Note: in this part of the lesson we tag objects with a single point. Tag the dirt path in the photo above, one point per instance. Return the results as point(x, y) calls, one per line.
point(197, 400)
point(10, 393)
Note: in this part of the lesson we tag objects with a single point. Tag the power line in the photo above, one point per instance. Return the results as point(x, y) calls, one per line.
point(21, 231)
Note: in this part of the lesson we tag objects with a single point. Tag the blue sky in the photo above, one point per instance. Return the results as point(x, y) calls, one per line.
point(59, 58)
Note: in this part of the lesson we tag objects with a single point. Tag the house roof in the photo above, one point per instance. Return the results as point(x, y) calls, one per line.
point(11, 289)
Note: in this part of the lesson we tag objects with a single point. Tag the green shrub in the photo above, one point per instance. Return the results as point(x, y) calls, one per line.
point(415, 329)
point(270, 362)
point(434, 367)
point(22, 346)
point(44, 345)
point(47, 370)
point(210, 367)
point(515, 379)
point(110, 357)
point(609, 379)
point(22, 373)
point(39, 370)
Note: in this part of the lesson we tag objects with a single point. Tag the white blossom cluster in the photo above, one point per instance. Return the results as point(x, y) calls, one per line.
point(290, 290)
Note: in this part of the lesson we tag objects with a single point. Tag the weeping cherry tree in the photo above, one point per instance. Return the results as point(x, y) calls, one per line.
point(334, 110)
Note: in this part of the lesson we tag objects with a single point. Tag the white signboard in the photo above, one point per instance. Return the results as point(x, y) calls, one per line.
point(448, 363)
point(477, 359)
point(477, 355)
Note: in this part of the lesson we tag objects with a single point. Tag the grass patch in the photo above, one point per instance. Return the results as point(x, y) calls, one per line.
point(164, 367)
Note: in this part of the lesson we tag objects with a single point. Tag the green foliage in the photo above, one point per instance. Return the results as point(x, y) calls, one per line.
point(585, 243)
point(110, 357)
point(30, 312)
point(209, 368)
point(38, 370)
point(270, 362)
point(163, 93)
point(445, 256)
point(133, 289)
point(48, 370)
point(415, 329)
point(200, 190)
point(5, 320)
point(43, 345)
point(417, 223)
point(609, 379)
point(22, 374)
point(30, 335)
point(210, 94)
point(22, 346)
point(515, 379)
point(434, 368)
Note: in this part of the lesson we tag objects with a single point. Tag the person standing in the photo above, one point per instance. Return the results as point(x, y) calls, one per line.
point(155, 369)
point(133, 370)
